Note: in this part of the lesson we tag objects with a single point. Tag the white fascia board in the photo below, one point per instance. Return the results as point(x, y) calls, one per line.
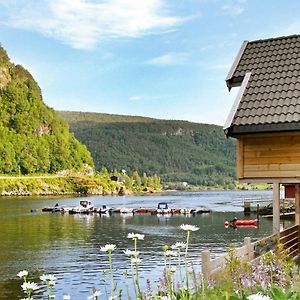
point(237, 101)
point(236, 61)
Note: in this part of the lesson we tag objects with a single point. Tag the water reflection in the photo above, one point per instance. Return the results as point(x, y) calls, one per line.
point(68, 245)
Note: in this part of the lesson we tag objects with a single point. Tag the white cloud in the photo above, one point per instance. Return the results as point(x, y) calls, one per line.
point(234, 7)
point(135, 98)
point(85, 23)
point(169, 59)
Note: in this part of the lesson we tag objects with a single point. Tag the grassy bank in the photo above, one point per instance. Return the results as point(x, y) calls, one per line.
point(63, 185)
point(23, 186)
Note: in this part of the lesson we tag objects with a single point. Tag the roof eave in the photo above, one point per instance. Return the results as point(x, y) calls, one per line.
point(236, 131)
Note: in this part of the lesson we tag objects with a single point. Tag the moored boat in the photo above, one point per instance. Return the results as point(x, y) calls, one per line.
point(163, 208)
point(143, 210)
point(241, 223)
point(103, 210)
point(85, 207)
point(200, 210)
point(55, 208)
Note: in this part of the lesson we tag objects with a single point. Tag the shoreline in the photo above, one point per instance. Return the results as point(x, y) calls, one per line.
point(44, 186)
point(65, 186)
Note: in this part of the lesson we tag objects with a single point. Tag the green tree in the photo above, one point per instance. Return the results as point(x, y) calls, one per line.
point(136, 179)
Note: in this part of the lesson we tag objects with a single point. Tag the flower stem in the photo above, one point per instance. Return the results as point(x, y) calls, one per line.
point(112, 284)
point(137, 278)
point(179, 266)
point(134, 283)
point(185, 259)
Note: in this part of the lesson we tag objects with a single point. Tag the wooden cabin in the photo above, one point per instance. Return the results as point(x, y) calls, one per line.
point(265, 117)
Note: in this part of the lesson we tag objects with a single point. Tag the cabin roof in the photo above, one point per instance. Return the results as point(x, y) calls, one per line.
point(268, 72)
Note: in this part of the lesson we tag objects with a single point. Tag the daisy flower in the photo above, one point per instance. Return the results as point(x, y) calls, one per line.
point(134, 236)
point(49, 277)
point(95, 295)
point(188, 227)
point(258, 297)
point(131, 253)
point(108, 248)
point(29, 286)
point(171, 253)
point(22, 274)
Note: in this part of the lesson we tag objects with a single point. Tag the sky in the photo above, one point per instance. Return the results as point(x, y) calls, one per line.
point(164, 59)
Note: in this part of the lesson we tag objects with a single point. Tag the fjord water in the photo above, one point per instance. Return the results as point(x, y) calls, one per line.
point(68, 245)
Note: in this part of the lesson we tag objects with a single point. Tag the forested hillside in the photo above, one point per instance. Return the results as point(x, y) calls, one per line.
point(195, 153)
point(34, 138)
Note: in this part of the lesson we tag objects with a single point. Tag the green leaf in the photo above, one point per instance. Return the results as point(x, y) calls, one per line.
point(277, 294)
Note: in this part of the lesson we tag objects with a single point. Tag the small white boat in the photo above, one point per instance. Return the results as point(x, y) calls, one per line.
point(200, 210)
point(85, 207)
point(126, 210)
point(103, 210)
point(186, 211)
point(162, 208)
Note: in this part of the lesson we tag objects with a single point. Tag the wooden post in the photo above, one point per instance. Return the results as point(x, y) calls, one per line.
point(205, 263)
point(297, 211)
point(297, 204)
point(276, 208)
point(240, 158)
point(247, 244)
point(247, 208)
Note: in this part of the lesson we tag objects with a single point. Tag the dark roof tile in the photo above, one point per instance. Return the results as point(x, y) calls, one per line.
point(272, 94)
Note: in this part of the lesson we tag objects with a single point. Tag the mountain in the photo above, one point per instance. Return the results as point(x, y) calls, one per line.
point(178, 151)
point(34, 138)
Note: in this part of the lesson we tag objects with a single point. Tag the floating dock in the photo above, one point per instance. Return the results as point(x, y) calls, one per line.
point(86, 207)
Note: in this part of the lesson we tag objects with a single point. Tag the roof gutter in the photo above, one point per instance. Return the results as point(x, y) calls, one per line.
point(236, 104)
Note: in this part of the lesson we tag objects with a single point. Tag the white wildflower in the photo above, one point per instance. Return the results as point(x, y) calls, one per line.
point(178, 245)
point(188, 227)
point(131, 235)
point(171, 253)
point(258, 297)
point(139, 236)
point(135, 236)
point(51, 283)
point(173, 269)
point(29, 286)
point(22, 274)
point(95, 295)
point(108, 248)
point(49, 277)
point(135, 260)
point(165, 297)
point(131, 253)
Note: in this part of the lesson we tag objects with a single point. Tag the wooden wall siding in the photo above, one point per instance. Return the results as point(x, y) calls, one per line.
point(269, 156)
